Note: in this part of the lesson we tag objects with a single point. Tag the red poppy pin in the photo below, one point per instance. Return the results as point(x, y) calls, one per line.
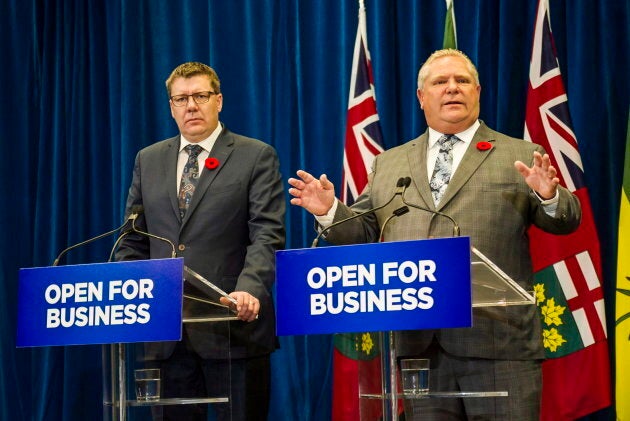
point(484, 146)
point(212, 163)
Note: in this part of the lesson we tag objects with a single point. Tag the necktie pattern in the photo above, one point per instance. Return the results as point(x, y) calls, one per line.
point(443, 167)
point(190, 176)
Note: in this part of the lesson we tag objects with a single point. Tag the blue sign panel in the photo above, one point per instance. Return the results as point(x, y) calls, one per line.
point(403, 285)
point(135, 301)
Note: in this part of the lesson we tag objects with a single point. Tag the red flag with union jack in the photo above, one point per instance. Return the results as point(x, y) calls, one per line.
point(567, 279)
point(356, 353)
point(363, 131)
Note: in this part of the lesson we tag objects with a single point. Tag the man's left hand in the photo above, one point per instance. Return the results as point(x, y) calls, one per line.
point(541, 177)
point(247, 306)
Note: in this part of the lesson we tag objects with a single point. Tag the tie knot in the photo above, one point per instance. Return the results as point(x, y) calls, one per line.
point(193, 150)
point(447, 141)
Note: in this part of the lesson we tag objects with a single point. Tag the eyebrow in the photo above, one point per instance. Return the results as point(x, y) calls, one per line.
point(456, 76)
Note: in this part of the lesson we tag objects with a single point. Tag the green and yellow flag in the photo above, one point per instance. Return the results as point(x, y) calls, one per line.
point(450, 32)
point(622, 312)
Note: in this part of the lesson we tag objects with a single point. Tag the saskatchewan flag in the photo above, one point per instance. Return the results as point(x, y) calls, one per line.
point(622, 312)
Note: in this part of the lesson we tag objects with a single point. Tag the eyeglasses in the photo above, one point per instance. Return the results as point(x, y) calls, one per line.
point(198, 97)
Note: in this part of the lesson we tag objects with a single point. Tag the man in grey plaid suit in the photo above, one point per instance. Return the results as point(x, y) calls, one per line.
point(482, 181)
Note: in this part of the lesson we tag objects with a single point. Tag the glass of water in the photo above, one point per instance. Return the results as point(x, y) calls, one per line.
point(415, 376)
point(147, 384)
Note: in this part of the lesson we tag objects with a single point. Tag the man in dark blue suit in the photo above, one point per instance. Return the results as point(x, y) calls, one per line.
point(218, 197)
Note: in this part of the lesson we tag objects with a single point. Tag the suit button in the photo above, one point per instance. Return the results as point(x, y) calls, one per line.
point(181, 247)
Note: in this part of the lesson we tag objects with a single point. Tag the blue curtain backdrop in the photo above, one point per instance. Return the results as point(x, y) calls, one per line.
point(83, 91)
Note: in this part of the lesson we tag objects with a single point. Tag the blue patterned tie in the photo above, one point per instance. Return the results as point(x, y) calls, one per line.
point(190, 176)
point(442, 171)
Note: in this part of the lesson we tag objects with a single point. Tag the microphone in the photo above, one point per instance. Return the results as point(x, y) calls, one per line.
point(406, 183)
point(131, 217)
point(137, 210)
point(398, 191)
point(397, 212)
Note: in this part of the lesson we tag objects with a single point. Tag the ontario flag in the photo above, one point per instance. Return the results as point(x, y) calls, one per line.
point(358, 354)
point(567, 279)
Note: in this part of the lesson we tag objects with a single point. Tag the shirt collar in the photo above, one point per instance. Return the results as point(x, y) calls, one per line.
point(466, 136)
point(206, 144)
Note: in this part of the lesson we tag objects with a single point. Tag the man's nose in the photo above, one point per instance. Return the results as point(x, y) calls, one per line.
point(451, 85)
point(190, 103)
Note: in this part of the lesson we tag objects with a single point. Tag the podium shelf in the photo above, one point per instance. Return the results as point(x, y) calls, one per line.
point(209, 319)
point(173, 401)
point(479, 394)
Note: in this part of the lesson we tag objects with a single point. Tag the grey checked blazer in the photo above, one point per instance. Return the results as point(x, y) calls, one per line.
point(493, 206)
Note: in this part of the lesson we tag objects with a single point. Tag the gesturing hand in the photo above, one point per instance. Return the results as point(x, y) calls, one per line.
point(541, 177)
point(316, 196)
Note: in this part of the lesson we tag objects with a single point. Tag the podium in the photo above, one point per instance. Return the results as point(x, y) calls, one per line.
point(491, 287)
point(123, 306)
point(423, 284)
point(121, 359)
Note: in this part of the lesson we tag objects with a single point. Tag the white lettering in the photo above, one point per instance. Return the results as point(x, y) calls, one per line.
point(114, 288)
point(143, 313)
point(318, 304)
point(130, 289)
point(312, 275)
point(427, 270)
point(402, 272)
point(426, 300)
point(349, 275)
point(52, 318)
point(146, 288)
point(333, 274)
point(52, 294)
point(382, 300)
point(389, 271)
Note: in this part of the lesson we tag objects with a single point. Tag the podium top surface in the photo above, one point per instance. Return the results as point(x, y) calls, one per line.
point(493, 287)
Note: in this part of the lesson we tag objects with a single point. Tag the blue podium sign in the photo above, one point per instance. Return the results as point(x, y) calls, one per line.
point(405, 285)
point(135, 301)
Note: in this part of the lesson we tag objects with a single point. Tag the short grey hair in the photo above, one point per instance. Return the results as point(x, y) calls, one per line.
point(424, 70)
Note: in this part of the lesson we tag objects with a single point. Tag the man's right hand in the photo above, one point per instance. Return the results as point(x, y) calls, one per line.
point(316, 196)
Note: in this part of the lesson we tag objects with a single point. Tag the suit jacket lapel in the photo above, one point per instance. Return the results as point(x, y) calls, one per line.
point(471, 160)
point(169, 163)
point(221, 150)
point(417, 156)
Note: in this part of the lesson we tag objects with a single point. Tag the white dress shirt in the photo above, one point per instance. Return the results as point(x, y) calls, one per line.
point(459, 149)
point(206, 144)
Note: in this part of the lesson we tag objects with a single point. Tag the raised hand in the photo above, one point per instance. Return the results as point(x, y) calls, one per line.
point(315, 195)
point(541, 177)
